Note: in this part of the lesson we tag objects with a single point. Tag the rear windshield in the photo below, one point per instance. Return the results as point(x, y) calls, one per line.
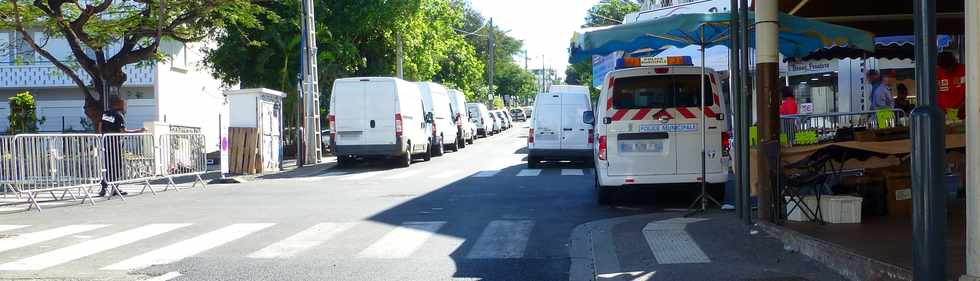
point(661, 91)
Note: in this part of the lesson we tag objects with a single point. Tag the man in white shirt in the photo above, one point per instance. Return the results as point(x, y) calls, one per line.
point(881, 96)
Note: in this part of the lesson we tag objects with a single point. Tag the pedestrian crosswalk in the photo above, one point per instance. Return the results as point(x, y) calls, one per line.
point(438, 174)
point(134, 247)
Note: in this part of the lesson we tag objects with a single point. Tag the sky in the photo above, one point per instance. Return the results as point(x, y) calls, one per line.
point(545, 26)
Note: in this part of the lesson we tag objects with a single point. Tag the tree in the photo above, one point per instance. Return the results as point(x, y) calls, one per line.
point(605, 13)
point(23, 114)
point(104, 36)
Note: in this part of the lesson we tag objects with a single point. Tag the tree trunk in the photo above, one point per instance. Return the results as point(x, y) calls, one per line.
point(95, 107)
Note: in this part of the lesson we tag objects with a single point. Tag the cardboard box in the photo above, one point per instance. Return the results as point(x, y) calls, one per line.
point(899, 194)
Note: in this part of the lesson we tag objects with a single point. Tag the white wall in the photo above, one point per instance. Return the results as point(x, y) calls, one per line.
point(59, 105)
point(188, 95)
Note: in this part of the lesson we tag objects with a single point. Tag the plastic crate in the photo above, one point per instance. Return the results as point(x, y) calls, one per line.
point(796, 213)
point(841, 209)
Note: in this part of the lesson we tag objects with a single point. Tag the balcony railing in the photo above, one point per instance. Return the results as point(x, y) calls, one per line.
point(47, 75)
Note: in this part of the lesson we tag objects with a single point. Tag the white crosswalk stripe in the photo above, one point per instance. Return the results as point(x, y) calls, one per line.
point(189, 247)
point(8, 227)
point(572, 172)
point(486, 174)
point(529, 173)
point(502, 239)
point(445, 174)
point(45, 235)
point(362, 176)
point(403, 241)
point(302, 241)
point(404, 175)
point(89, 247)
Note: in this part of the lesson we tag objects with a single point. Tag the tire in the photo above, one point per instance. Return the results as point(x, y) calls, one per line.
point(604, 194)
point(405, 160)
point(428, 154)
point(461, 142)
point(345, 161)
point(455, 146)
point(439, 149)
point(532, 162)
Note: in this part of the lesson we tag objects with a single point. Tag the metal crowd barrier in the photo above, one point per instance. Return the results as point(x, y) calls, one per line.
point(182, 154)
point(52, 162)
point(70, 163)
point(817, 128)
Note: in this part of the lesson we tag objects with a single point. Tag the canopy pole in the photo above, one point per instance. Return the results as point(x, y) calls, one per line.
point(704, 130)
point(973, 142)
point(734, 86)
point(767, 69)
point(745, 117)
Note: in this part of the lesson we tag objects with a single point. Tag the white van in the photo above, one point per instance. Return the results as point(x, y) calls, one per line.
point(649, 129)
point(435, 99)
point(559, 129)
point(480, 117)
point(377, 117)
point(464, 128)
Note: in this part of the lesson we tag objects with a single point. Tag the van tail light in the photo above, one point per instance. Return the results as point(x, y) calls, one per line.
point(398, 125)
point(530, 136)
point(726, 144)
point(602, 147)
point(333, 126)
point(459, 120)
point(591, 136)
point(433, 129)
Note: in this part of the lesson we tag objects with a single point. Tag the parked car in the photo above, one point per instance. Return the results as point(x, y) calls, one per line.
point(480, 118)
point(504, 123)
point(435, 100)
point(498, 123)
point(464, 129)
point(518, 114)
point(560, 128)
point(377, 117)
point(649, 130)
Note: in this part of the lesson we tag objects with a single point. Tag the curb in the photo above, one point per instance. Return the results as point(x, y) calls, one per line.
point(845, 262)
point(591, 248)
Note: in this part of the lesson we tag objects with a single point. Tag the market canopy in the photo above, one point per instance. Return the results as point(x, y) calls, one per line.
point(798, 37)
point(886, 47)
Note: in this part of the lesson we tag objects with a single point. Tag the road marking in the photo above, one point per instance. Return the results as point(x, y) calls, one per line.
point(502, 239)
point(486, 174)
point(362, 176)
point(529, 173)
point(445, 174)
point(180, 250)
point(634, 275)
point(90, 247)
point(45, 235)
point(302, 241)
point(402, 241)
point(404, 175)
point(572, 172)
point(7, 227)
point(671, 244)
point(323, 176)
point(165, 277)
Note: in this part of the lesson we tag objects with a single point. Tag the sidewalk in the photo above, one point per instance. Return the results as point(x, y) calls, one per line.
point(667, 246)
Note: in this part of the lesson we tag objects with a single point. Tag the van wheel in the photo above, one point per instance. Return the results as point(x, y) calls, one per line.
point(461, 142)
point(439, 149)
point(345, 161)
point(532, 162)
point(604, 194)
point(455, 146)
point(427, 156)
point(405, 160)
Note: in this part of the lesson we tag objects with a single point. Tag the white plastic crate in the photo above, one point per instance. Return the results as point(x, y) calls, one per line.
point(796, 213)
point(841, 209)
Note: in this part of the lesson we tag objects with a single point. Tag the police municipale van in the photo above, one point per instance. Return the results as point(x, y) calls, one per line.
point(648, 128)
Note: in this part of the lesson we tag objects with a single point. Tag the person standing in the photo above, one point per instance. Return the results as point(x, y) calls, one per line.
point(881, 96)
point(113, 121)
point(789, 105)
point(951, 88)
point(902, 101)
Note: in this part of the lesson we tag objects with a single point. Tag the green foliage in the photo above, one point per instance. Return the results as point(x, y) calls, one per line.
point(23, 114)
point(498, 103)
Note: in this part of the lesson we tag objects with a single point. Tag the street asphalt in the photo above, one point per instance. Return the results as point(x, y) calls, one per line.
point(476, 214)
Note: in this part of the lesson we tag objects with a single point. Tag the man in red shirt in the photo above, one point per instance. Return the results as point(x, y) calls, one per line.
point(789, 105)
point(951, 88)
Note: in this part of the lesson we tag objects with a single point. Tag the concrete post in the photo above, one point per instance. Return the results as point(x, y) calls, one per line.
point(767, 83)
point(973, 141)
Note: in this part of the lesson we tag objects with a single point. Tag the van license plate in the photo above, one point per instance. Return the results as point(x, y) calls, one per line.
point(643, 146)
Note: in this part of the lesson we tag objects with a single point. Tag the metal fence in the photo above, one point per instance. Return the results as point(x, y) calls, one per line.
point(76, 163)
point(817, 128)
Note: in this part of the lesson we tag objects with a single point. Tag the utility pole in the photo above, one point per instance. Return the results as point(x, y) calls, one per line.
point(490, 66)
point(310, 88)
point(401, 57)
point(767, 85)
point(543, 87)
point(525, 60)
point(972, 142)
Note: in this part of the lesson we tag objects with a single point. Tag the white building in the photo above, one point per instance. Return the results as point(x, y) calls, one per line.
point(179, 91)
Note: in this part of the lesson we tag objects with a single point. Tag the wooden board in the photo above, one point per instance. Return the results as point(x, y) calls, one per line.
point(243, 153)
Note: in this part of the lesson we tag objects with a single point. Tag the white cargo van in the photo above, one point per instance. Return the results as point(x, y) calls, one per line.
point(480, 117)
point(435, 99)
point(377, 117)
point(560, 127)
point(464, 128)
point(649, 129)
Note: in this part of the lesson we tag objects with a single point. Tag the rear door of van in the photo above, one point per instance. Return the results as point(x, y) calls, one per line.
point(357, 122)
point(548, 121)
point(574, 132)
point(639, 142)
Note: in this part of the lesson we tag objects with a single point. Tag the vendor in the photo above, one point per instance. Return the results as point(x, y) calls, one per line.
point(951, 88)
point(789, 105)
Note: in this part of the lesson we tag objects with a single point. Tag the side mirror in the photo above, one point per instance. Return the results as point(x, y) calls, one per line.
point(607, 120)
point(429, 118)
point(588, 117)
